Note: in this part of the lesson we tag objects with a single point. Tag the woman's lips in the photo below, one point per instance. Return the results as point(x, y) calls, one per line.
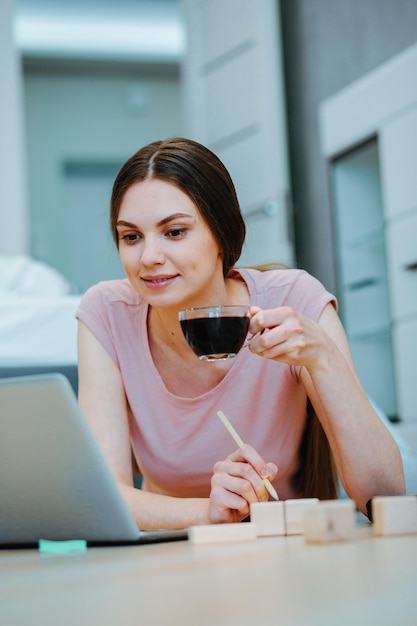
point(157, 282)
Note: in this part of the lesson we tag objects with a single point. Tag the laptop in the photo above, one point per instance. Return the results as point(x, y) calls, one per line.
point(54, 482)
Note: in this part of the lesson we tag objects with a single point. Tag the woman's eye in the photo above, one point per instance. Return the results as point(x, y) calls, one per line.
point(176, 233)
point(130, 238)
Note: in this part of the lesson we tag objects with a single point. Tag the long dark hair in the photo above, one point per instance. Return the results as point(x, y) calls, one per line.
point(201, 175)
point(317, 477)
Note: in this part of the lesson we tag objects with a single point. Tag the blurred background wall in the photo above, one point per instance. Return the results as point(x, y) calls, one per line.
point(93, 94)
point(93, 112)
point(83, 122)
point(75, 108)
point(14, 217)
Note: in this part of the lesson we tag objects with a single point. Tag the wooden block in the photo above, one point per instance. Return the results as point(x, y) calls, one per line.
point(285, 517)
point(222, 533)
point(295, 511)
point(394, 515)
point(268, 518)
point(330, 520)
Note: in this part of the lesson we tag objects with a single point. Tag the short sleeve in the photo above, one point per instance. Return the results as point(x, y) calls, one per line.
point(308, 296)
point(93, 311)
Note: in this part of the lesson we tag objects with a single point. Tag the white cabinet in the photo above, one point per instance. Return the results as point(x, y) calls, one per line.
point(399, 161)
point(399, 175)
point(405, 344)
point(377, 236)
point(361, 263)
point(402, 265)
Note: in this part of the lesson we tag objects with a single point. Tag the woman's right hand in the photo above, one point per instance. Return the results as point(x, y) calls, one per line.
point(236, 483)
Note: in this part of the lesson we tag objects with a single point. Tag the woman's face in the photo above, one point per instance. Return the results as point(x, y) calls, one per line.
point(169, 254)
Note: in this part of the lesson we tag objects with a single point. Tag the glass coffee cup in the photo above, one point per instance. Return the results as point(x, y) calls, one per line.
point(215, 333)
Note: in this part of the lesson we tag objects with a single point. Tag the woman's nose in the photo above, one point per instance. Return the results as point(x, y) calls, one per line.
point(152, 253)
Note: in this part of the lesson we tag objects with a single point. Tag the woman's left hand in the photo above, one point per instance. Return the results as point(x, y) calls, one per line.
point(283, 334)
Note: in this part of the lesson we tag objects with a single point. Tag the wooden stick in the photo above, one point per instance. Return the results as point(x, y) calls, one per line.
point(239, 443)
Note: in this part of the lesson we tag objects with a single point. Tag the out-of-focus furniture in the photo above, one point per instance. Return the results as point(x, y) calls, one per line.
point(39, 335)
point(38, 328)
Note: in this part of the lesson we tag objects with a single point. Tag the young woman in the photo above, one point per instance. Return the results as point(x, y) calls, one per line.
point(292, 394)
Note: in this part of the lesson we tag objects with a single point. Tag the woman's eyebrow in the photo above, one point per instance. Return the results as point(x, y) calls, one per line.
point(124, 223)
point(175, 216)
point(164, 220)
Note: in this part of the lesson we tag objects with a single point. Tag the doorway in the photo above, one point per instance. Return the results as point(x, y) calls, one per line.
point(362, 270)
point(90, 254)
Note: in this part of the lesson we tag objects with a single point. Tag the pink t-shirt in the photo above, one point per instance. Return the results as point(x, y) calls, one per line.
point(178, 440)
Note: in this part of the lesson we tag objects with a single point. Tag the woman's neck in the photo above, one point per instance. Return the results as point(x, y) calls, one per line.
point(164, 327)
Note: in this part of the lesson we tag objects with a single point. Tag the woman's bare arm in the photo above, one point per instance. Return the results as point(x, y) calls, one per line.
point(102, 399)
point(366, 455)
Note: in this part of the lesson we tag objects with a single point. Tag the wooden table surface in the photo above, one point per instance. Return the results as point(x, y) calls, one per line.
point(278, 580)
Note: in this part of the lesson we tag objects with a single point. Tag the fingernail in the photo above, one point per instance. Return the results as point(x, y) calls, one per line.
point(264, 473)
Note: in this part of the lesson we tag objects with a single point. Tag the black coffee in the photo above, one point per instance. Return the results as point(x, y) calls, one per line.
point(216, 337)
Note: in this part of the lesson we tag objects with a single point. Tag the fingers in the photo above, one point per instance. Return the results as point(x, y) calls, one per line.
point(281, 333)
point(249, 455)
point(234, 493)
point(271, 318)
point(231, 495)
point(240, 478)
point(226, 506)
point(237, 482)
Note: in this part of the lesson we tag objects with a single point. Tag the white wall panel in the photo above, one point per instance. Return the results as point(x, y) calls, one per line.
point(398, 139)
